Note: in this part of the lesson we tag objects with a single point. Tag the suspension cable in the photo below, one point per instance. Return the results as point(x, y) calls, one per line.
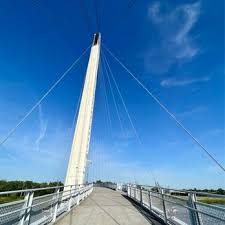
point(156, 99)
point(106, 100)
point(114, 100)
point(127, 112)
point(11, 132)
point(123, 102)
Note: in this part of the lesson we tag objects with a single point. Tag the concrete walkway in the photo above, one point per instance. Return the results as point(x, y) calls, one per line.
point(107, 207)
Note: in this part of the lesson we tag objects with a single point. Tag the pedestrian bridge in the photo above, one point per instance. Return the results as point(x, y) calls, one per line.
point(88, 205)
point(85, 204)
point(107, 207)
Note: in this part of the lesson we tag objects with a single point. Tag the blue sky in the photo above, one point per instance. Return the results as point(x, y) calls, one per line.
point(176, 48)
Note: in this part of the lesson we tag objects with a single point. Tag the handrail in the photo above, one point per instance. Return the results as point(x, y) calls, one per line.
point(187, 207)
point(37, 189)
point(54, 204)
point(194, 213)
point(186, 191)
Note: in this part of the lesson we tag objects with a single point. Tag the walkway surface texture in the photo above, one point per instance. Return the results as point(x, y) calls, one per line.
point(107, 207)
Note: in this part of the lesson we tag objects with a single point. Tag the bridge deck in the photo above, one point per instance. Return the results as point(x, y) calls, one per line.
point(107, 207)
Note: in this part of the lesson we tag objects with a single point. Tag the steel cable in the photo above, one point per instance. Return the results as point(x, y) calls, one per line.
point(156, 99)
point(11, 132)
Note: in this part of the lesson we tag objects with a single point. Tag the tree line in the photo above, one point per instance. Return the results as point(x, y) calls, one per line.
point(21, 185)
point(218, 191)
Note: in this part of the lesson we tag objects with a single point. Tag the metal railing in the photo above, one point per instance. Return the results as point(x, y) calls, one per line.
point(41, 209)
point(178, 207)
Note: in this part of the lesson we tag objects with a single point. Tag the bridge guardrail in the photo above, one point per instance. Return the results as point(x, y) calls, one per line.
point(178, 207)
point(43, 209)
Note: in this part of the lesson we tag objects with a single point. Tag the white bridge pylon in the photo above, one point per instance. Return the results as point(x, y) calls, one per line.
point(80, 146)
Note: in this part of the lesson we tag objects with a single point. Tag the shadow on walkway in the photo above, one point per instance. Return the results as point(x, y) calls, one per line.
point(152, 219)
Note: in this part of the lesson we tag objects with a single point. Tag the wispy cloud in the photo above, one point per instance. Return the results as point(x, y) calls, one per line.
point(42, 127)
point(173, 82)
point(174, 27)
point(194, 110)
point(127, 134)
point(26, 147)
point(215, 132)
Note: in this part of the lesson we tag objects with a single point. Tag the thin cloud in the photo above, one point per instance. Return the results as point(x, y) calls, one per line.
point(191, 112)
point(173, 82)
point(42, 127)
point(126, 135)
point(174, 27)
point(56, 146)
point(215, 132)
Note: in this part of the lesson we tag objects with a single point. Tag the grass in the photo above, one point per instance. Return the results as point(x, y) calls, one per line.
point(207, 200)
point(220, 201)
point(11, 198)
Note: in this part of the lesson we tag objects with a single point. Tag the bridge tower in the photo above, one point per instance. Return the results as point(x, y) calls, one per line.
point(80, 146)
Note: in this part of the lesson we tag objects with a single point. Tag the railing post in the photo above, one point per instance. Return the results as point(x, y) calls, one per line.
point(83, 197)
point(164, 205)
point(25, 219)
point(130, 187)
point(135, 192)
point(86, 191)
point(91, 189)
point(70, 199)
point(131, 191)
point(141, 200)
point(82, 194)
point(150, 200)
point(128, 190)
point(194, 215)
point(56, 205)
point(78, 196)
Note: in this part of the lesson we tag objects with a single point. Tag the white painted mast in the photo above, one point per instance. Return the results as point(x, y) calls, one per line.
point(80, 146)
